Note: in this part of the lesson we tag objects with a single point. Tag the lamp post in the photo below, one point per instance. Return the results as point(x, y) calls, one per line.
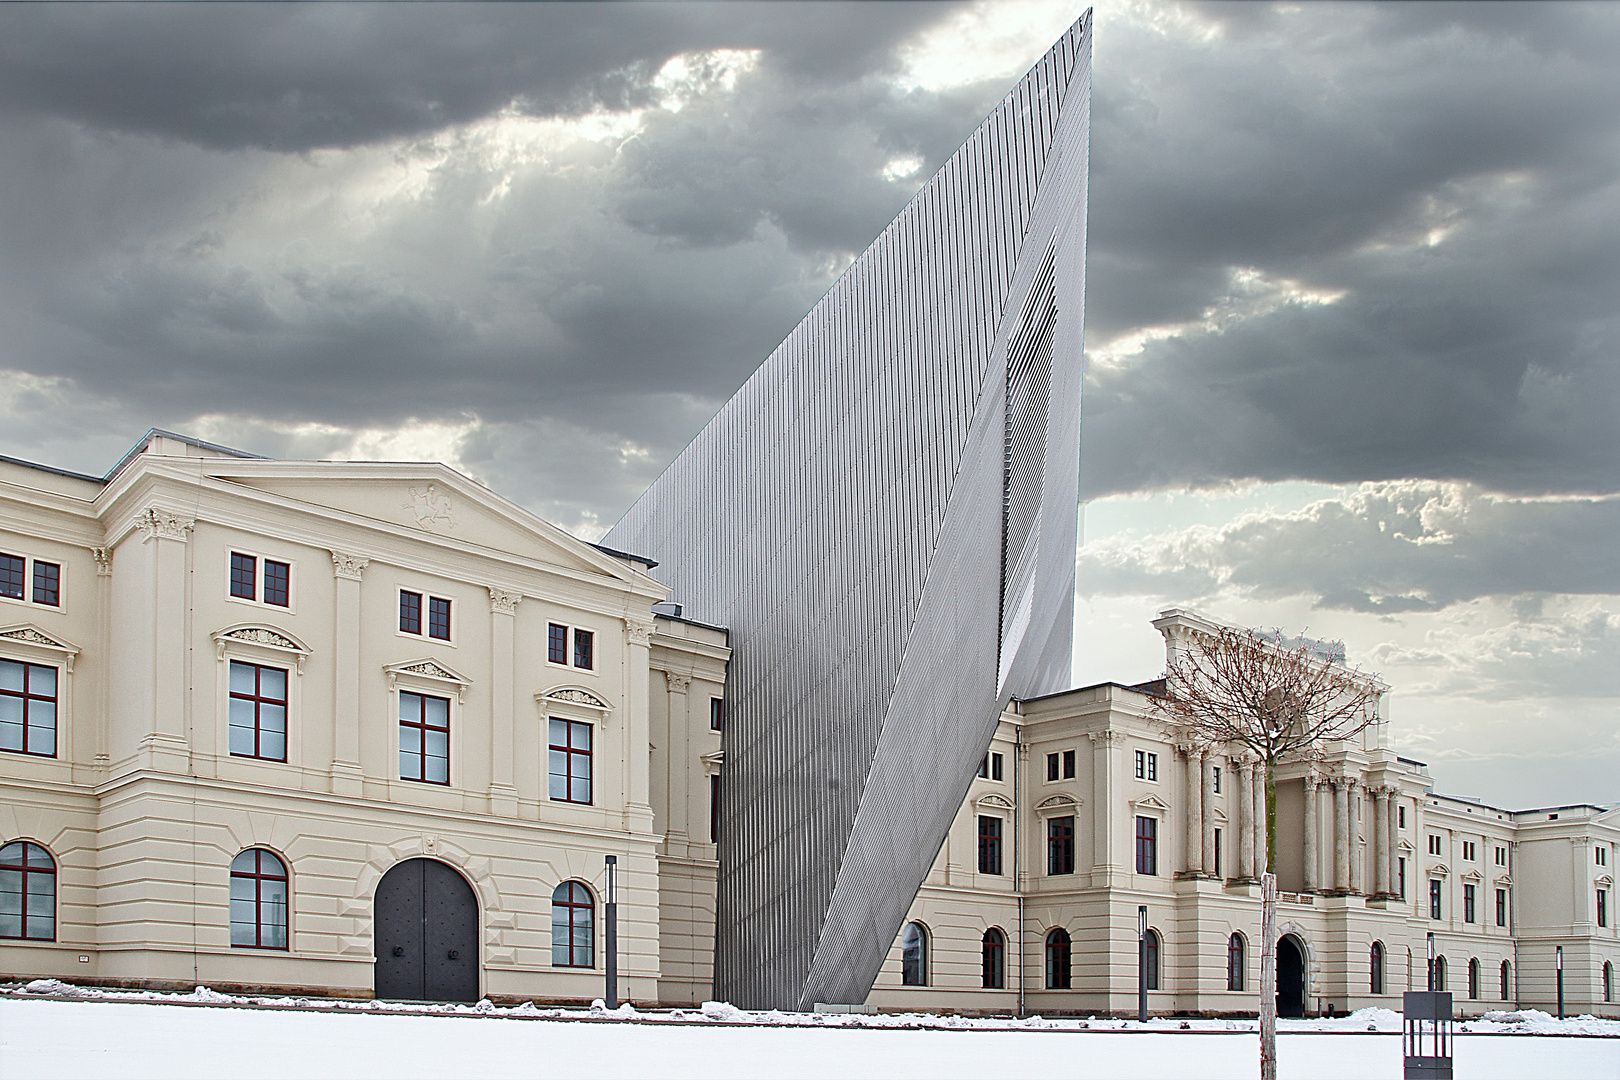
point(1431, 961)
point(1560, 961)
point(611, 910)
point(1141, 964)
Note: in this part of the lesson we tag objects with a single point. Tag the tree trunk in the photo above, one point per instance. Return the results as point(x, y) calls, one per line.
point(1266, 863)
point(1268, 975)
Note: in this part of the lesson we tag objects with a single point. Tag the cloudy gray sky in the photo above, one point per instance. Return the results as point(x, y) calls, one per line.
point(1353, 321)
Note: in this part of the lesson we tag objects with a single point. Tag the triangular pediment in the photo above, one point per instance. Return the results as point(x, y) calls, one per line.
point(1150, 802)
point(429, 500)
point(427, 668)
point(1473, 875)
point(29, 634)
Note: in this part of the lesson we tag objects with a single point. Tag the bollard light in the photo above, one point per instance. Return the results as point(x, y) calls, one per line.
point(1141, 963)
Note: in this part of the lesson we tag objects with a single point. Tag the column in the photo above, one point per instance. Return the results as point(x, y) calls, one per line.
point(347, 773)
point(1312, 823)
point(1341, 833)
point(1381, 841)
point(679, 812)
point(1193, 863)
point(1103, 848)
point(165, 535)
point(502, 690)
point(1392, 845)
point(1206, 766)
point(638, 727)
point(1358, 852)
point(1244, 797)
point(1257, 791)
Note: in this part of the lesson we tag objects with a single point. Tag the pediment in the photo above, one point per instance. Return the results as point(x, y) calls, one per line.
point(1504, 880)
point(1473, 875)
point(1405, 848)
point(713, 761)
point(1439, 870)
point(1217, 814)
point(269, 637)
point(430, 670)
point(1150, 802)
point(574, 695)
point(992, 801)
point(429, 500)
point(29, 634)
point(1605, 879)
point(1057, 804)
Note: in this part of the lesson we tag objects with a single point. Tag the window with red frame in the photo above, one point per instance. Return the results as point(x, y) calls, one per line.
point(258, 717)
point(438, 618)
point(259, 901)
point(27, 892)
point(28, 708)
point(570, 761)
point(424, 738)
point(573, 926)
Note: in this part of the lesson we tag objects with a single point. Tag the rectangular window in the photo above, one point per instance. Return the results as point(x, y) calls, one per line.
point(1400, 878)
point(989, 845)
point(424, 738)
point(1051, 766)
point(1068, 764)
point(1468, 903)
point(1434, 845)
point(717, 713)
point(1603, 907)
point(1217, 771)
point(1501, 907)
point(1147, 845)
point(1400, 816)
point(984, 767)
point(1060, 845)
point(995, 766)
point(277, 583)
point(570, 761)
point(1602, 852)
point(714, 809)
point(410, 612)
point(244, 576)
point(438, 618)
point(47, 583)
point(258, 711)
point(584, 649)
point(1434, 899)
point(557, 643)
point(27, 708)
point(1501, 856)
point(1141, 764)
point(1217, 851)
point(13, 572)
point(1153, 767)
point(1469, 851)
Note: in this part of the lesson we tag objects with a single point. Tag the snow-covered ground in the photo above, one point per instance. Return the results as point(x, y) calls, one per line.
point(49, 1029)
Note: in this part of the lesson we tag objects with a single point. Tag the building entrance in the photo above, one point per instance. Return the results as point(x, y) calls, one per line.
point(1290, 976)
point(426, 932)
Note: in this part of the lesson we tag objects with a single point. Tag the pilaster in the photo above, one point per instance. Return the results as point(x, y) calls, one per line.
point(166, 534)
point(503, 794)
point(347, 572)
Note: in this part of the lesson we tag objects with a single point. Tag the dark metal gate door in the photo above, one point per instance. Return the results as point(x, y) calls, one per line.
point(426, 923)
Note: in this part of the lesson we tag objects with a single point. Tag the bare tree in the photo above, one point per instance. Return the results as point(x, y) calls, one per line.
point(1278, 699)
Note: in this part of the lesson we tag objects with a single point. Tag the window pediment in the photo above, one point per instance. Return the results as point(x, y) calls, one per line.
point(261, 636)
point(1504, 880)
point(1473, 875)
point(30, 635)
point(1150, 803)
point(713, 761)
point(1405, 848)
point(1605, 879)
point(1438, 870)
point(1057, 804)
point(572, 702)
point(993, 801)
point(431, 672)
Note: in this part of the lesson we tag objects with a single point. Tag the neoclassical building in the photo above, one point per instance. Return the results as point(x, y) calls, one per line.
point(1085, 808)
point(345, 728)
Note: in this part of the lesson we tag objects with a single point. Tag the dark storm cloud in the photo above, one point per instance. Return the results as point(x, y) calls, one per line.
point(1328, 147)
point(292, 77)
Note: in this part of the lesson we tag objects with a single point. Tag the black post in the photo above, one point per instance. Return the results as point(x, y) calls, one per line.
point(612, 911)
point(1141, 964)
point(1560, 982)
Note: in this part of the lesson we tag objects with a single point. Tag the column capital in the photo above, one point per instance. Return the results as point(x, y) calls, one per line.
point(638, 633)
point(104, 558)
point(678, 684)
point(1107, 737)
point(503, 601)
point(1191, 750)
point(345, 565)
point(155, 522)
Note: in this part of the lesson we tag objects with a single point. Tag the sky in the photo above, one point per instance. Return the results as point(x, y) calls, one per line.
point(1353, 304)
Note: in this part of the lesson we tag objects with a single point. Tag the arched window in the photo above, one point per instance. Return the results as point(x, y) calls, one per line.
point(1439, 973)
point(1473, 978)
point(1234, 962)
point(259, 895)
point(995, 959)
point(1153, 959)
point(27, 892)
point(1608, 981)
point(573, 926)
point(914, 955)
point(1057, 960)
point(1375, 968)
point(1506, 979)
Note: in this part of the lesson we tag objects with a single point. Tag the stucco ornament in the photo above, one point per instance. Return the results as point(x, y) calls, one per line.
point(431, 509)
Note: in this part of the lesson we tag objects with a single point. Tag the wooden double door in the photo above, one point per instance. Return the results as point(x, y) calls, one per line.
point(426, 933)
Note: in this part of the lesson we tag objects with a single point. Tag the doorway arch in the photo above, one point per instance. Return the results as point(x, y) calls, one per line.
point(1290, 976)
point(426, 933)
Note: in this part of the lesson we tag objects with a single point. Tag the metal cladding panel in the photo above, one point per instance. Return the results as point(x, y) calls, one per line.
point(884, 516)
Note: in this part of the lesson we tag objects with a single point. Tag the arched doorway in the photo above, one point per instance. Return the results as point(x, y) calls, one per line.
point(1290, 976)
point(426, 931)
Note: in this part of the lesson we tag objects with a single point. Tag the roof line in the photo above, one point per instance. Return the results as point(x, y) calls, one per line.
point(146, 440)
point(50, 469)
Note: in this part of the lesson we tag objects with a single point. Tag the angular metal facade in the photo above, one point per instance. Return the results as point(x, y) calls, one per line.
point(884, 516)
